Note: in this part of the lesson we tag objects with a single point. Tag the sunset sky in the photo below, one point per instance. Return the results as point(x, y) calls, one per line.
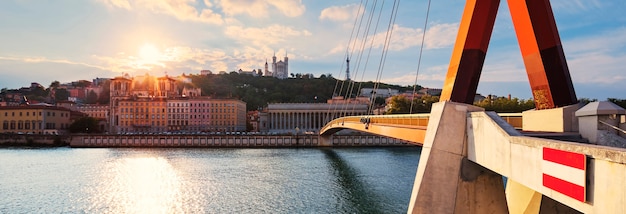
point(43, 41)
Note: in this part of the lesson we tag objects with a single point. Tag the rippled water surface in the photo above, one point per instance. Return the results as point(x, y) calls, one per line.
point(312, 180)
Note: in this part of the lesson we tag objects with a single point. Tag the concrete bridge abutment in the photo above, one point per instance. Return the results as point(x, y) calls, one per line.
point(446, 181)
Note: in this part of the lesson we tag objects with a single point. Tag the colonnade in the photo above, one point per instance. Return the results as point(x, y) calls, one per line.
point(304, 121)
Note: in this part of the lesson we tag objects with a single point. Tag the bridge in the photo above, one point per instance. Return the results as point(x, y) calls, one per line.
point(562, 159)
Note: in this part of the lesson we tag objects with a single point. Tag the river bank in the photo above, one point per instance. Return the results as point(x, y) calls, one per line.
point(175, 141)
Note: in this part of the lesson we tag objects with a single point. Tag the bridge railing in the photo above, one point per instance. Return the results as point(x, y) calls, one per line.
point(514, 119)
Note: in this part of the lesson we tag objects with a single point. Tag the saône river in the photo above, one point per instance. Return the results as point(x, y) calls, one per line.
point(216, 180)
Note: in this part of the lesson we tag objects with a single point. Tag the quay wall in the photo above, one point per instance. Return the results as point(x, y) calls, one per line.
point(31, 140)
point(95, 141)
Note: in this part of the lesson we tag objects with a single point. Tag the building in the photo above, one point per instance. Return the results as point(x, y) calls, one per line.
point(280, 69)
point(40, 119)
point(227, 115)
point(253, 120)
point(177, 114)
point(95, 111)
point(305, 117)
point(199, 114)
point(139, 104)
point(384, 93)
point(153, 105)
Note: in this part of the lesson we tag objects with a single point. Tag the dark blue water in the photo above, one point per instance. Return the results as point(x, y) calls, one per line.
point(311, 180)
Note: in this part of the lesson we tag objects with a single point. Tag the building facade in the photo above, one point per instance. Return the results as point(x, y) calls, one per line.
point(280, 69)
point(155, 105)
point(305, 117)
point(34, 119)
point(227, 115)
point(95, 111)
point(199, 114)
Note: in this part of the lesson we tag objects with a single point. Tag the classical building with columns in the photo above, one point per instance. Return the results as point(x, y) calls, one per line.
point(305, 117)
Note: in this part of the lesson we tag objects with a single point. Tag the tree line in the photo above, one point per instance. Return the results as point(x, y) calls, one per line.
point(402, 104)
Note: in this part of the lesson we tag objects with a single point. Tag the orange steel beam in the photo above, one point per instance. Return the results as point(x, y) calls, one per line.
point(468, 55)
point(543, 55)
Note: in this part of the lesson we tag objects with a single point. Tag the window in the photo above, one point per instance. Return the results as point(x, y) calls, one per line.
point(5, 125)
point(20, 113)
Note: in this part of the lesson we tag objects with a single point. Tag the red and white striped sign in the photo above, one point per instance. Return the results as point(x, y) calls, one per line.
point(565, 172)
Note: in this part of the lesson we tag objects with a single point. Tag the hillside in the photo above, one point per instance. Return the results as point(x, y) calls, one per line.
point(259, 91)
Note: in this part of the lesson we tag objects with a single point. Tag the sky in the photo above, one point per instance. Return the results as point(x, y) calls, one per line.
point(43, 41)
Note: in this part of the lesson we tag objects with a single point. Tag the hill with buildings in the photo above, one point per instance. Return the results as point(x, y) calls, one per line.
point(258, 91)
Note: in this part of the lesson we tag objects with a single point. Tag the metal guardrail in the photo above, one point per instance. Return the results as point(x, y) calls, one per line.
point(514, 119)
point(612, 126)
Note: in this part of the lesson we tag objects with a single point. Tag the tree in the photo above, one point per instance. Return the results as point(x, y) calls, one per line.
point(398, 105)
point(402, 105)
point(85, 125)
point(505, 105)
point(61, 94)
point(105, 93)
point(619, 102)
point(55, 84)
point(91, 97)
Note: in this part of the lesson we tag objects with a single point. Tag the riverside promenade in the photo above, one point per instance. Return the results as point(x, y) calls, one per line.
point(87, 141)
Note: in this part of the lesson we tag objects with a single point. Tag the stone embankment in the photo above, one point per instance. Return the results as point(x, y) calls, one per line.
point(228, 141)
point(28, 140)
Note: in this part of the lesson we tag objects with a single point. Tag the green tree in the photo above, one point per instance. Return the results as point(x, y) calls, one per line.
point(91, 98)
point(61, 94)
point(55, 84)
point(402, 105)
point(85, 125)
point(619, 102)
point(106, 92)
point(505, 105)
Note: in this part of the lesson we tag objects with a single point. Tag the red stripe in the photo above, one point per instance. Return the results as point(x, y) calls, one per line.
point(570, 159)
point(567, 188)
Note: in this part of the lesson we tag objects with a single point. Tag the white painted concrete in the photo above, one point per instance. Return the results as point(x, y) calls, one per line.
point(520, 160)
point(551, 120)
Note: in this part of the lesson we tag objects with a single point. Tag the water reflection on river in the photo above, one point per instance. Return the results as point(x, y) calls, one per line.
point(311, 180)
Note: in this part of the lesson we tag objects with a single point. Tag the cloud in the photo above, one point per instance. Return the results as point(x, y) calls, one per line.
point(574, 6)
point(597, 58)
point(260, 8)
point(262, 37)
point(183, 10)
point(438, 36)
point(341, 13)
point(46, 60)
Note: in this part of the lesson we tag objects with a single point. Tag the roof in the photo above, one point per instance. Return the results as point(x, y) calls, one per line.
point(600, 108)
point(34, 107)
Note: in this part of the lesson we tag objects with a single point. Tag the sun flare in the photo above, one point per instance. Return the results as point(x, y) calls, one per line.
point(149, 53)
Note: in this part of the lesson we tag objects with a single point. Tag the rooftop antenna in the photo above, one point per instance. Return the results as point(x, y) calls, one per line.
point(347, 69)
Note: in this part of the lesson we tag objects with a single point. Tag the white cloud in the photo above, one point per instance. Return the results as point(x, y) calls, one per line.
point(47, 60)
point(260, 8)
point(575, 5)
point(341, 13)
point(438, 36)
point(183, 10)
point(265, 36)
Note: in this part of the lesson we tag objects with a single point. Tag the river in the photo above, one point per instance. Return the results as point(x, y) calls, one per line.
point(217, 180)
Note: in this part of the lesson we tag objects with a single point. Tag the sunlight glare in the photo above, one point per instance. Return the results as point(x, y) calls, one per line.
point(149, 54)
point(143, 185)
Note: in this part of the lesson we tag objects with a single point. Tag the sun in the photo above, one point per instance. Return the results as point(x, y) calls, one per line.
point(149, 54)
